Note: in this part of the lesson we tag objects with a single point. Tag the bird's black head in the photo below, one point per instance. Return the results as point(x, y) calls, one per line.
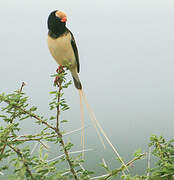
point(57, 22)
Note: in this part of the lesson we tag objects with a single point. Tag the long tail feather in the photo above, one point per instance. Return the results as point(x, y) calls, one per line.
point(82, 124)
point(101, 129)
point(92, 119)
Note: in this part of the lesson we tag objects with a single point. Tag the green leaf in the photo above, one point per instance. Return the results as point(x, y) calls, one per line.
point(53, 92)
point(138, 152)
point(63, 121)
point(52, 117)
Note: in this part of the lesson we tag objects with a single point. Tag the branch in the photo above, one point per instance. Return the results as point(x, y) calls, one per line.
point(58, 107)
point(76, 130)
point(2, 150)
point(74, 152)
point(102, 176)
point(58, 81)
point(116, 171)
point(66, 154)
point(37, 118)
point(31, 115)
point(148, 163)
point(4, 146)
point(23, 84)
point(19, 153)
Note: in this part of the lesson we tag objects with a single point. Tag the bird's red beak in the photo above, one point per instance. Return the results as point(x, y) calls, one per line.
point(64, 19)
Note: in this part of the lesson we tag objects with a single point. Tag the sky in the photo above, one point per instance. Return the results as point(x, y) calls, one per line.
point(126, 59)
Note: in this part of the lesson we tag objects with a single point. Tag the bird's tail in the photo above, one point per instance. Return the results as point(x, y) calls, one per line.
point(97, 126)
point(76, 79)
point(77, 83)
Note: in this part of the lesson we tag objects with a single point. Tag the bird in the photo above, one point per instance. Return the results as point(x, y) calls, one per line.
point(62, 45)
point(63, 48)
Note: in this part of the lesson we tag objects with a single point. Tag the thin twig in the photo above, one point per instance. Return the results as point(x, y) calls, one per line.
point(148, 163)
point(44, 145)
point(65, 173)
point(23, 84)
point(32, 115)
point(11, 121)
point(36, 117)
point(59, 134)
point(26, 138)
point(67, 155)
point(74, 152)
point(2, 150)
point(58, 107)
point(36, 144)
point(76, 130)
point(167, 175)
point(104, 162)
point(116, 171)
point(102, 176)
point(81, 166)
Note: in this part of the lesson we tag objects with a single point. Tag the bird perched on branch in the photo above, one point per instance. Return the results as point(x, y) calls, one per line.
point(62, 45)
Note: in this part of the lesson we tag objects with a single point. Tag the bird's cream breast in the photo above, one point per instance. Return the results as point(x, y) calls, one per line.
point(61, 49)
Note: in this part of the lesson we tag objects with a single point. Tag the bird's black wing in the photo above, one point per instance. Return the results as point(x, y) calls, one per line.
point(73, 43)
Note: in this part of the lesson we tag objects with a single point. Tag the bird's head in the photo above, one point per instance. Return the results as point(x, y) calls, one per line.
point(57, 22)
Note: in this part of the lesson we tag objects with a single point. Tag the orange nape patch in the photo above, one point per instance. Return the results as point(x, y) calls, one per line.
point(60, 14)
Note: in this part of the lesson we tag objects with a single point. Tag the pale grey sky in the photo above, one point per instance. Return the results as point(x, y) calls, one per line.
point(126, 52)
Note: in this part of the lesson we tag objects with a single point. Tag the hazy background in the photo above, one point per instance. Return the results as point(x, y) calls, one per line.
point(126, 56)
